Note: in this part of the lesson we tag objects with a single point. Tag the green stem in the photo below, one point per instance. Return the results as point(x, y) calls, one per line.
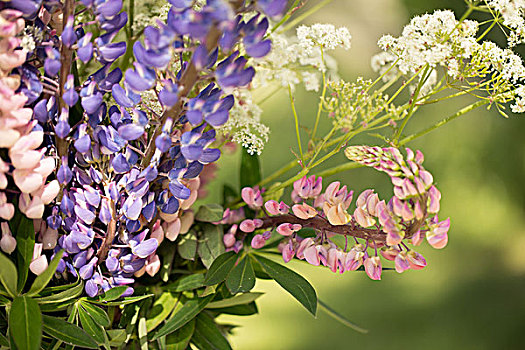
point(443, 121)
point(296, 122)
point(320, 107)
point(286, 17)
point(422, 81)
point(339, 169)
point(305, 15)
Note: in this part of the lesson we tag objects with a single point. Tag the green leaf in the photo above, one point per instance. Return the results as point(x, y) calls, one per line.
point(25, 323)
point(113, 293)
point(209, 213)
point(8, 275)
point(294, 283)
point(90, 326)
point(116, 337)
point(238, 310)
point(68, 332)
point(142, 332)
point(126, 300)
point(211, 244)
point(250, 169)
point(98, 314)
point(340, 318)
point(207, 335)
point(4, 301)
point(187, 247)
point(220, 268)
point(180, 339)
point(166, 252)
point(66, 295)
point(242, 278)
point(185, 283)
point(161, 309)
point(43, 279)
point(188, 311)
point(240, 299)
point(24, 233)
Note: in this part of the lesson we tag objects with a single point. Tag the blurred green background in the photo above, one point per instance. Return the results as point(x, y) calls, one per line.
point(472, 293)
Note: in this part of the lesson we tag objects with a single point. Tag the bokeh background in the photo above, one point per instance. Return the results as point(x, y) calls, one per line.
point(472, 294)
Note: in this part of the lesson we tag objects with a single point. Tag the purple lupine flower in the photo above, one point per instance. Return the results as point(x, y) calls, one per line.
point(253, 39)
point(85, 48)
point(231, 72)
point(68, 34)
point(70, 96)
point(272, 8)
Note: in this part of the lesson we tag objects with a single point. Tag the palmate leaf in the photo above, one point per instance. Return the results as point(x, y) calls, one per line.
point(68, 332)
point(210, 245)
point(187, 246)
point(294, 283)
point(91, 327)
point(209, 213)
point(187, 312)
point(63, 296)
point(98, 314)
point(242, 278)
point(220, 268)
point(25, 323)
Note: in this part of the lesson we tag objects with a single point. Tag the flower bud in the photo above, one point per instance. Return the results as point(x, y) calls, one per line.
point(373, 267)
point(304, 211)
point(8, 242)
point(258, 241)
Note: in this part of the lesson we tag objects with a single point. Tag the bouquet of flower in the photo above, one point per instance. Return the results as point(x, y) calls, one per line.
point(114, 121)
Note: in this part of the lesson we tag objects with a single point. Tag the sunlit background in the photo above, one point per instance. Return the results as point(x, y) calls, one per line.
point(472, 294)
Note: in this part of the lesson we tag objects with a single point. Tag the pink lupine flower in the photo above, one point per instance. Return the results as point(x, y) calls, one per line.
point(363, 219)
point(316, 255)
point(229, 239)
point(157, 232)
point(389, 253)
point(434, 196)
point(8, 242)
point(337, 215)
point(437, 237)
point(354, 258)
point(336, 260)
point(252, 197)
point(373, 267)
point(319, 201)
point(152, 265)
point(305, 243)
point(416, 260)
point(27, 180)
point(401, 262)
point(394, 238)
point(172, 229)
point(7, 210)
point(258, 241)
point(334, 195)
point(186, 220)
point(247, 225)
point(39, 262)
point(288, 251)
point(417, 238)
point(287, 229)
point(304, 211)
point(33, 208)
point(275, 208)
point(302, 187)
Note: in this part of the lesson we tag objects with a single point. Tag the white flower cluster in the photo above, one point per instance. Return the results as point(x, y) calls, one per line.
point(301, 59)
point(512, 12)
point(431, 39)
point(244, 126)
point(292, 61)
